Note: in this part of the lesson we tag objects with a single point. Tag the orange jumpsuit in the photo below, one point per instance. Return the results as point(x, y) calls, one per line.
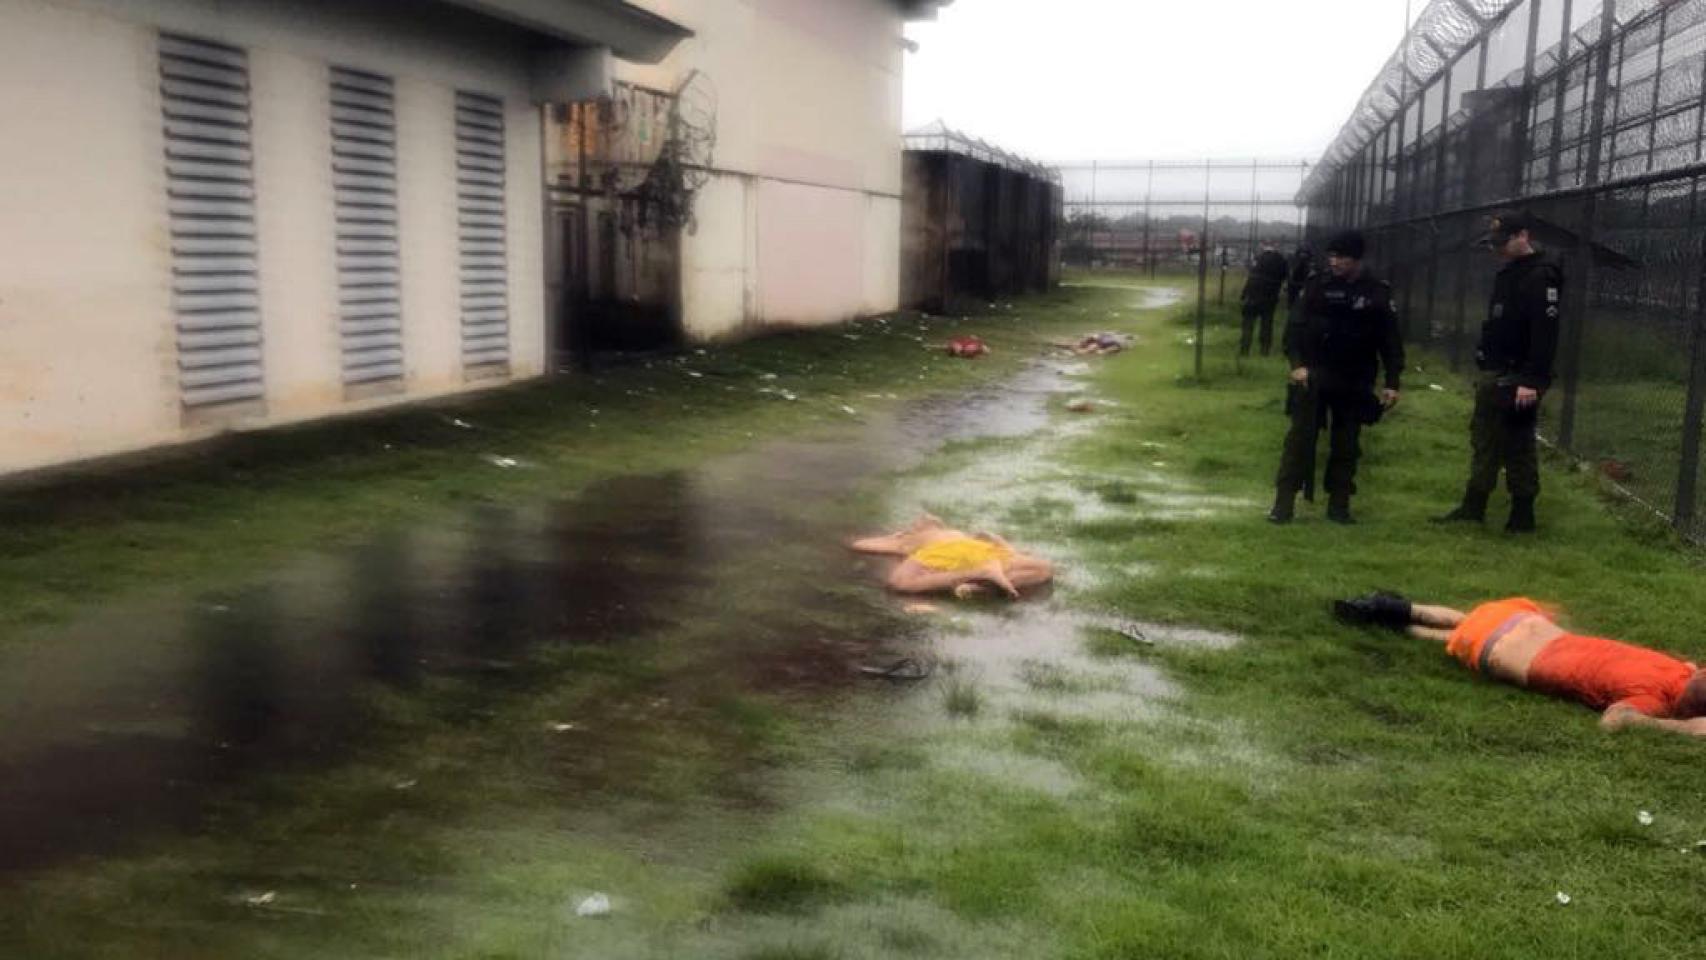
point(1590, 670)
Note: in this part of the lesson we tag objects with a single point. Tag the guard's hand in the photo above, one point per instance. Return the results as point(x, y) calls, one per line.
point(1526, 397)
point(1300, 376)
point(1389, 398)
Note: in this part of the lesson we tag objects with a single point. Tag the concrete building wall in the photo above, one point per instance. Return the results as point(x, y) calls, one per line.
point(800, 224)
point(88, 362)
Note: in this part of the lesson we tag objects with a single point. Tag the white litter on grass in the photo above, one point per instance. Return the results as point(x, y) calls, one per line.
point(849, 410)
point(788, 396)
point(563, 727)
point(597, 905)
point(1644, 818)
point(1563, 898)
point(463, 424)
point(404, 784)
point(261, 899)
point(503, 463)
point(695, 374)
point(767, 376)
point(1436, 387)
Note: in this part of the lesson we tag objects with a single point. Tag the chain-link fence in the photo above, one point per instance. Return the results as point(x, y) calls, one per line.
point(1589, 114)
point(1160, 215)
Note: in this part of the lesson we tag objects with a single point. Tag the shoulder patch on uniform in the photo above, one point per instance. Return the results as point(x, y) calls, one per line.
point(1552, 312)
point(1551, 294)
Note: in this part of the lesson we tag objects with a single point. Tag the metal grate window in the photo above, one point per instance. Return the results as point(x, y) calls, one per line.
point(364, 177)
point(481, 222)
point(210, 188)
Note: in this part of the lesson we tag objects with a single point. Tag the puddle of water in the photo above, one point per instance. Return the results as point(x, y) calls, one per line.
point(134, 718)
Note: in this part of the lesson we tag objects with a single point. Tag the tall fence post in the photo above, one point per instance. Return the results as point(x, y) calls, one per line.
point(1094, 213)
point(1688, 471)
point(1571, 367)
point(1202, 267)
point(1148, 217)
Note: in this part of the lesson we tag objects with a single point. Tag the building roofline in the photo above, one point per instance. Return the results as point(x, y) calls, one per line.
point(922, 9)
point(631, 32)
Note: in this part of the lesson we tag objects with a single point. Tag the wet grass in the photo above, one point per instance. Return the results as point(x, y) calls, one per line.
point(222, 512)
point(1319, 790)
point(1314, 790)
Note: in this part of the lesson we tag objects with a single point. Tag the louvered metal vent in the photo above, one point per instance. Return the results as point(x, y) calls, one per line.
point(211, 196)
point(364, 175)
point(480, 218)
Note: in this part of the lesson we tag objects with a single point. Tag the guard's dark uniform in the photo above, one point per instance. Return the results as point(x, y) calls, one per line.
point(1519, 341)
point(1261, 299)
point(1302, 268)
point(1340, 330)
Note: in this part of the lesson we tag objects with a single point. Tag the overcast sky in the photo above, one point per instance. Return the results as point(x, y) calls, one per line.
point(1068, 80)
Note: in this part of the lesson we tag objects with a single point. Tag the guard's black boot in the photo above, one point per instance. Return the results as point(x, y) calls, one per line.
point(1473, 509)
point(1376, 609)
point(1285, 506)
point(1339, 509)
point(1522, 515)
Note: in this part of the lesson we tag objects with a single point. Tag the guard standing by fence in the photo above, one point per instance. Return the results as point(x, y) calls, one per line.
point(1261, 298)
point(1519, 342)
point(1302, 268)
point(1342, 328)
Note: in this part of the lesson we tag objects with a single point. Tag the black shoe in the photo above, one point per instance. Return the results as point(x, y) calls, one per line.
point(1377, 610)
point(1522, 515)
point(1339, 511)
point(1473, 509)
point(1284, 508)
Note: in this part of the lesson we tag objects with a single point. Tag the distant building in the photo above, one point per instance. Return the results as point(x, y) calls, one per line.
point(979, 222)
point(750, 179)
point(222, 215)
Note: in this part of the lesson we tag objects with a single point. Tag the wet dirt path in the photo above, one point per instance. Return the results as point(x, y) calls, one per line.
point(407, 662)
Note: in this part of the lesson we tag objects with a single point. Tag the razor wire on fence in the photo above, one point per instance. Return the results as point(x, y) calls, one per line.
point(1588, 114)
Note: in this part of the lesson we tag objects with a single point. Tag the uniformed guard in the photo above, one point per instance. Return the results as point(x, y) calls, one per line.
point(1341, 329)
point(1519, 341)
point(1261, 298)
point(1302, 268)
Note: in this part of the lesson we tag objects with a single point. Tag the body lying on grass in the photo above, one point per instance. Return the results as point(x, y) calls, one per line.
point(938, 559)
point(1516, 641)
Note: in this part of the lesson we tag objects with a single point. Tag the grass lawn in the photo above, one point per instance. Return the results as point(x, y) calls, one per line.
point(1239, 778)
point(1314, 790)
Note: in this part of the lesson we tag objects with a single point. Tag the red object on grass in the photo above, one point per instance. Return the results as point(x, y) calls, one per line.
point(967, 347)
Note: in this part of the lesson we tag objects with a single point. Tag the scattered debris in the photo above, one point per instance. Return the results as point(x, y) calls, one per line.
point(905, 670)
point(503, 463)
point(404, 784)
point(459, 423)
point(1644, 818)
point(1563, 898)
point(767, 376)
point(1618, 470)
point(967, 348)
point(695, 374)
point(849, 410)
point(261, 899)
point(563, 727)
point(597, 905)
point(1436, 388)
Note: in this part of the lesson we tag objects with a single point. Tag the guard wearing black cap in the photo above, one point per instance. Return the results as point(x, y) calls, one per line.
point(1261, 298)
point(1519, 341)
point(1342, 328)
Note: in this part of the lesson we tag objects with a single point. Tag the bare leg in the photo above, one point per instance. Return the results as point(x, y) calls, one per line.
point(1026, 571)
point(1436, 634)
point(1430, 616)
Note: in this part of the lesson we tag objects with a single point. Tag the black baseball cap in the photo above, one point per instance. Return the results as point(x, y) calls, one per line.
point(1504, 224)
point(1349, 243)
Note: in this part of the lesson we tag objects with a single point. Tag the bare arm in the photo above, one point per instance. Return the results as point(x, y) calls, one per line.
point(1620, 716)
